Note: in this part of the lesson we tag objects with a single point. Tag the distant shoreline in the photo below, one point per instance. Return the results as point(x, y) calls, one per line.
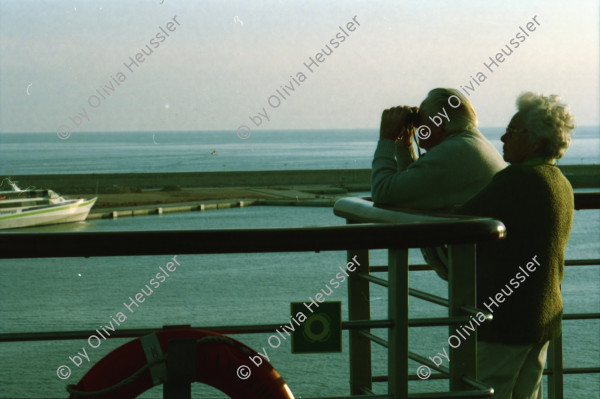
point(580, 176)
point(136, 194)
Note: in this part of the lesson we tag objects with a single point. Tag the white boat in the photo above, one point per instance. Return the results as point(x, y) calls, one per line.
point(37, 207)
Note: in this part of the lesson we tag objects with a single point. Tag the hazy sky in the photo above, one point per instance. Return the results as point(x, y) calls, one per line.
point(213, 72)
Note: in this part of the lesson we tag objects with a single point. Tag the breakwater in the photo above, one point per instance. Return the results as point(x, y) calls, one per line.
point(580, 176)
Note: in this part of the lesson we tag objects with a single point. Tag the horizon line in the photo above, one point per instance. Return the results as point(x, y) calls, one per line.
point(257, 131)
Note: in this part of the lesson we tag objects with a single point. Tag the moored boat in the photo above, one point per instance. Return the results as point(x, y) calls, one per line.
point(37, 207)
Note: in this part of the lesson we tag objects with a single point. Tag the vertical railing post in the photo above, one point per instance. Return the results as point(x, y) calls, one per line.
point(398, 313)
point(555, 363)
point(461, 291)
point(359, 308)
point(181, 368)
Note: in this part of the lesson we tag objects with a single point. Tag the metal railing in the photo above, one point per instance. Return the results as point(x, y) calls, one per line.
point(405, 230)
point(460, 303)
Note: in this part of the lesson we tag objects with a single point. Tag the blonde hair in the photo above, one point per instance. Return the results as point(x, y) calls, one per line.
point(546, 118)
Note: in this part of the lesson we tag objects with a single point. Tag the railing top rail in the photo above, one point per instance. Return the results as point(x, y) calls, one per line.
point(363, 210)
point(587, 200)
point(413, 232)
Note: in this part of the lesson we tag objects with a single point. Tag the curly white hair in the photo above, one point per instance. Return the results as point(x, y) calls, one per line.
point(546, 118)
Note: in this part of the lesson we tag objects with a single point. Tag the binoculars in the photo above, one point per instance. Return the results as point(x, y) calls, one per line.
point(412, 118)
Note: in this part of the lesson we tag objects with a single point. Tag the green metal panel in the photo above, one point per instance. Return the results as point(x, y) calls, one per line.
point(321, 331)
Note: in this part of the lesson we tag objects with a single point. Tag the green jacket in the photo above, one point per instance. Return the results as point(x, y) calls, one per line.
point(535, 203)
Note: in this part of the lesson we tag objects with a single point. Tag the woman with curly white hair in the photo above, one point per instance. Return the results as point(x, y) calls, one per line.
point(541, 129)
point(535, 202)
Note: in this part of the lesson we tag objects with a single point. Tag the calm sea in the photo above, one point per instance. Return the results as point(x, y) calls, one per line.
point(33, 153)
point(83, 294)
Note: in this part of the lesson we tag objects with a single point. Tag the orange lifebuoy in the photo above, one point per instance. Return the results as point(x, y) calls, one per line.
point(217, 364)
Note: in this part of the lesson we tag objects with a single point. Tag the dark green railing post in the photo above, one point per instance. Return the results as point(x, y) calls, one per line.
point(398, 313)
point(461, 291)
point(359, 308)
point(555, 363)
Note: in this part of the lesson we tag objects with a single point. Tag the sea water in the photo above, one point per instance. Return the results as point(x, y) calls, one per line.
point(206, 290)
point(209, 151)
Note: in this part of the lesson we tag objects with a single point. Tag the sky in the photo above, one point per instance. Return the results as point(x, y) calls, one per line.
point(223, 61)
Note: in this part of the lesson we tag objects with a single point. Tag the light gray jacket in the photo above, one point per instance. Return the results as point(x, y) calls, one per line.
point(446, 176)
